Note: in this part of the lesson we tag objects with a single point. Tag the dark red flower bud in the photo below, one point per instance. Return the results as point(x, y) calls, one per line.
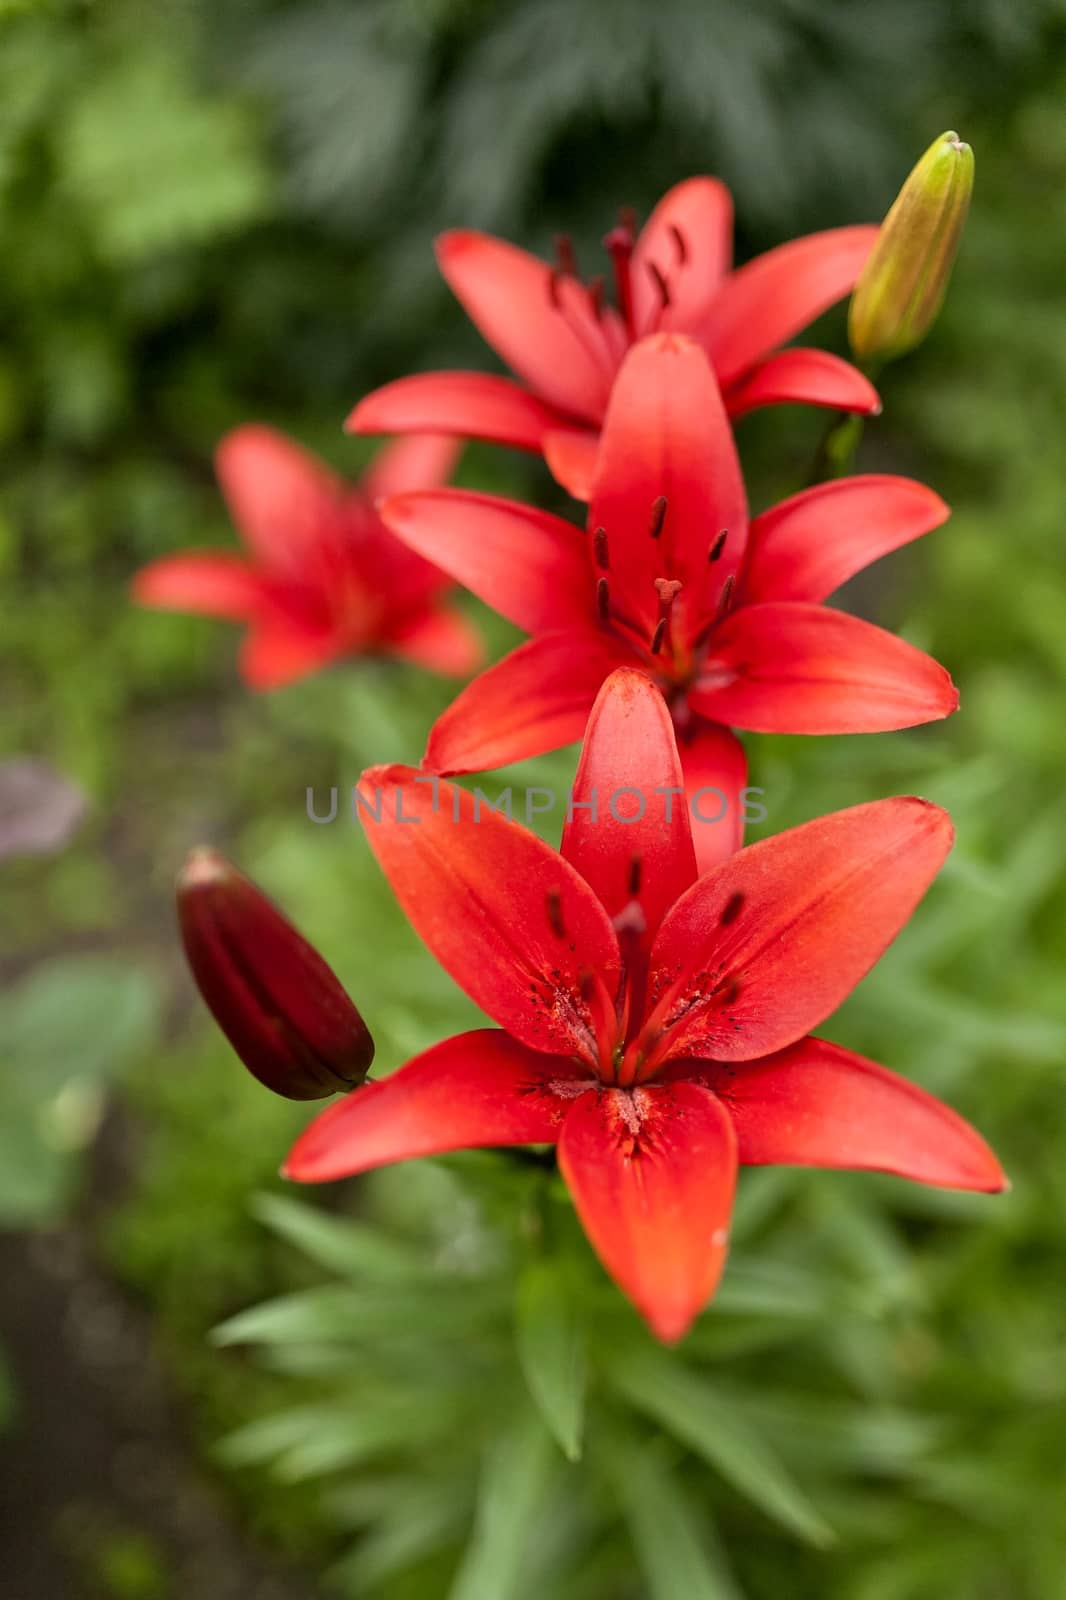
point(275, 999)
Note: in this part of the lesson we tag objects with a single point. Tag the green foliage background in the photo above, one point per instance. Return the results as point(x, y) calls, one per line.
point(212, 213)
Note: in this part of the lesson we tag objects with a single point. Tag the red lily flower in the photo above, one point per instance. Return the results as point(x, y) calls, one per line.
point(566, 345)
point(728, 622)
point(653, 1024)
point(322, 577)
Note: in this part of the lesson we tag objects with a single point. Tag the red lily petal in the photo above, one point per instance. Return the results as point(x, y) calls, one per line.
point(689, 240)
point(785, 667)
point(806, 377)
point(281, 498)
point(768, 301)
point(544, 325)
point(384, 569)
point(715, 771)
point(481, 1088)
point(512, 922)
point(444, 641)
point(765, 946)
point(813, 542)
point(818, 1105)
point(215, 584)
point(273, 655)
point(477, 405)
point(635, 846)
point(571, 457)
point(421, 461)
point(536, 699)
point(652, 1174)
point(531, 567)
point(666, 436)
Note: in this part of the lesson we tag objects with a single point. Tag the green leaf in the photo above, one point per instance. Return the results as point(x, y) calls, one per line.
point(677, 1551)
point(420, 1519)
point(267, 1437)
point(551, 1351)
point(83, 1016)
point(714, 1427)
point(310, 1441)
point(37, 1182)
point(64, 1031)
point(514, 1478)
point(155, 164)
point(338, 1313)
point(827, 1434)
point(766, 1288)
point(344, 1246)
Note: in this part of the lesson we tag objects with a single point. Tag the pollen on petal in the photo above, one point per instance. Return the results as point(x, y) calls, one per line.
point(564, 254)
point(623, 1110)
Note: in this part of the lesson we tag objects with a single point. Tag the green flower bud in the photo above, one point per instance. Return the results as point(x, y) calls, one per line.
point(901, 289)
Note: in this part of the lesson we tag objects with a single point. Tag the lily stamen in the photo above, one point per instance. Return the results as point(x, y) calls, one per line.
point(564, 254)
point(596, 347)
point(668, 590)
point(619, 245)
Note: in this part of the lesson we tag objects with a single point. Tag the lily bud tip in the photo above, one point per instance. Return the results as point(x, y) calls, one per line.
point(202, 866)
point(902, 286)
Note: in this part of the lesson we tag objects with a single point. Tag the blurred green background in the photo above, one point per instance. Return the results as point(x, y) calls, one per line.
point(215, 213)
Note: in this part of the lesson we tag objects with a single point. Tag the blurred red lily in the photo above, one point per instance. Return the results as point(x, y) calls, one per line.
point(653, 1024)
point(727, 620)
point(566, 344)
point(322, 578)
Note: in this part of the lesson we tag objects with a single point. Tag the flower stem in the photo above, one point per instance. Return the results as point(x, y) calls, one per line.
point(835, 455)
point(836, 452)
